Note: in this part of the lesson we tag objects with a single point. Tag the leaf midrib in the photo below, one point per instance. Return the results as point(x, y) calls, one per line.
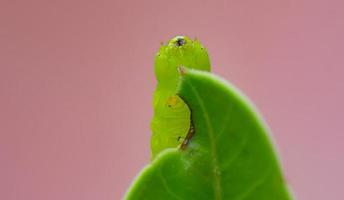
point(218, 188)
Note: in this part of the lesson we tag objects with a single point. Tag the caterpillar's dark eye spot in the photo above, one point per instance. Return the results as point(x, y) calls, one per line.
point(180, 42)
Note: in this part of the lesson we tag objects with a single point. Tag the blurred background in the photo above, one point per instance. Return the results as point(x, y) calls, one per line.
point(76, 85)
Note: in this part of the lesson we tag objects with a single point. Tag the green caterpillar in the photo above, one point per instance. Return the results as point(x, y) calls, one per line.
point(171, 121)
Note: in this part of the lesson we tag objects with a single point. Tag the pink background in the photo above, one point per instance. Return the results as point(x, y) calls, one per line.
point(76, 82)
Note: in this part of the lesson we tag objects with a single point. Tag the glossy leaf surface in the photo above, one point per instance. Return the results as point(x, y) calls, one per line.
point(229, 156)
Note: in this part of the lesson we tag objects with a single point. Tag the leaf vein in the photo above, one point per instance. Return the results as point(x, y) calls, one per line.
point(255, 186)
point(218, 189)
point(235, 156)
point(165, 184)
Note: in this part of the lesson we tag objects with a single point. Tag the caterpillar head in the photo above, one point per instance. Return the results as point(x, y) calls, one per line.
point(179, 51)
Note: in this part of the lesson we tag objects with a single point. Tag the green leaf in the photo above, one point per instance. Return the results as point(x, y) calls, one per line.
point(229, 156)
